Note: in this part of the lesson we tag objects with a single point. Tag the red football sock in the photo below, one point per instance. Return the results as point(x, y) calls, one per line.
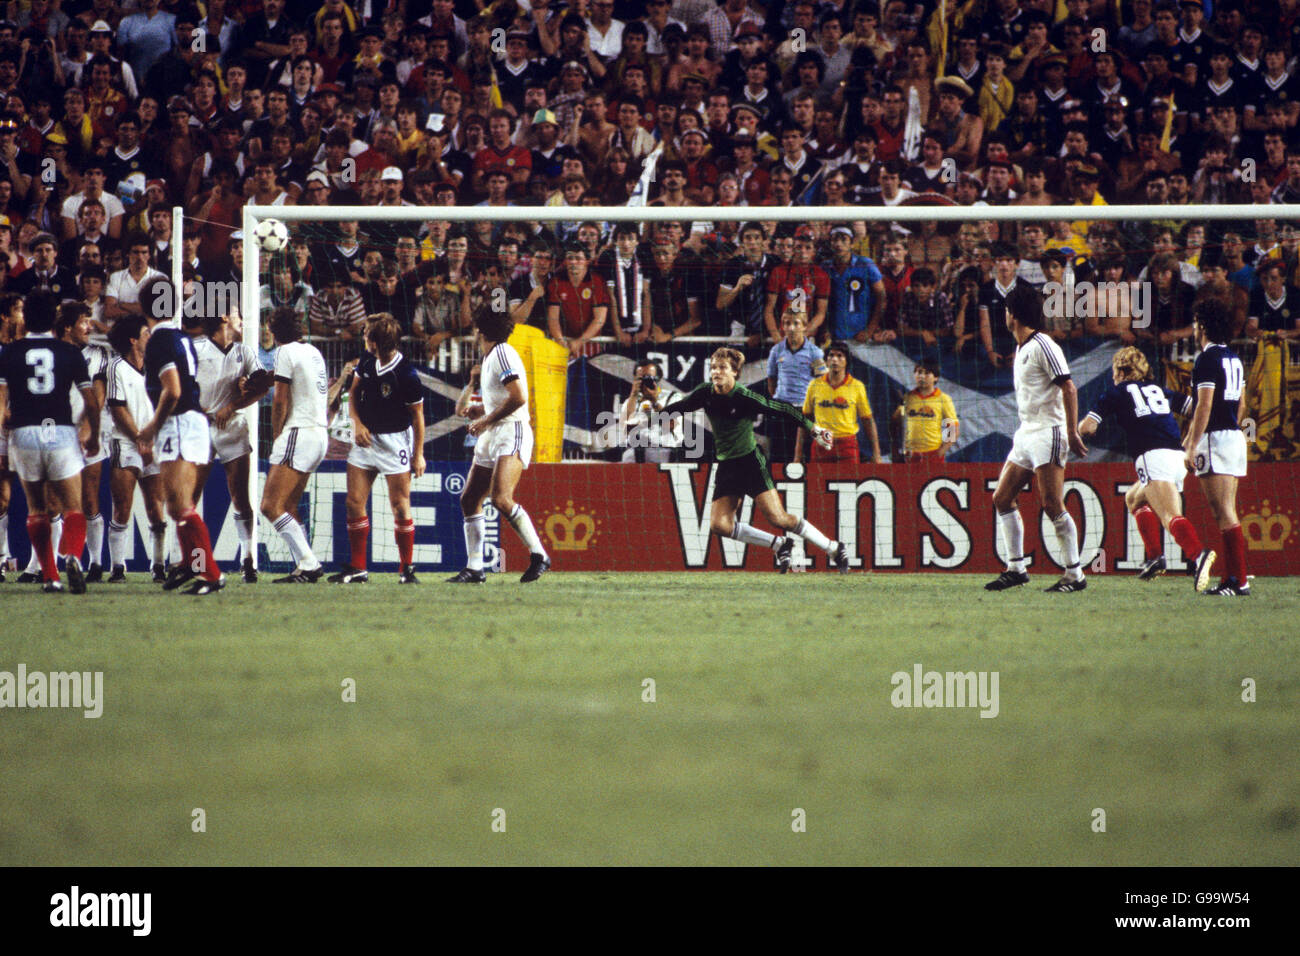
point(1234, 547)
point(1184, 533)
point(1149, 527)
point(194, 538)
point(38, 531)
point(74, 534)
point(404, 532)
point(358, 535)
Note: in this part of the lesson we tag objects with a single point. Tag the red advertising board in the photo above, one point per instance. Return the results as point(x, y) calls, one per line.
point(925, 517)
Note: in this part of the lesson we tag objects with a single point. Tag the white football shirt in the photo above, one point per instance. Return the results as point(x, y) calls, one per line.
point(502, 366)
point(302, 368)
point(97, 360)
point(126, 388)
point(219, 371)
point(1039, 363)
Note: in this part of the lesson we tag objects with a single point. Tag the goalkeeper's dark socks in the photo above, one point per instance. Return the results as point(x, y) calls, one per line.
point(404, 533)
point(1149, 527)
point(358, 535)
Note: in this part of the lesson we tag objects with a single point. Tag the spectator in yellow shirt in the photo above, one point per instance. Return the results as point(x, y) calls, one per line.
point(838, 402)
point(930, 418)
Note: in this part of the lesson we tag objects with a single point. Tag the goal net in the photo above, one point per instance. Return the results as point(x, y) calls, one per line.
point(920, 285)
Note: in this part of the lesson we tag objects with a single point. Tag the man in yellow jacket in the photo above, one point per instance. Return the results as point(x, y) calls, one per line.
point(837, 401)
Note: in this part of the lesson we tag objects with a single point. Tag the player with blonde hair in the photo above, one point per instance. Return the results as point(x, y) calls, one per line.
point(742, 467)
point(1143, 410)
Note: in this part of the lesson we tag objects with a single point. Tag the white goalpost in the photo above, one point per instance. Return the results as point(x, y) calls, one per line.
point(299, 215)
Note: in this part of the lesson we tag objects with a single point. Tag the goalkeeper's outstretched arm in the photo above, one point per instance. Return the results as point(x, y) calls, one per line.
point(763, 403)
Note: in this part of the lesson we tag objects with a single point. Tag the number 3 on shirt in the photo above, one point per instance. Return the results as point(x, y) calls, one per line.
point(42, 363)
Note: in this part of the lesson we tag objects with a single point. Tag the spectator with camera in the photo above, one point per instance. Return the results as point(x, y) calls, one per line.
point(650, 435)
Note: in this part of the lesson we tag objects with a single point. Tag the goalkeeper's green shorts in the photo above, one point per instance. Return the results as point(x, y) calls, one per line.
point(746, 475)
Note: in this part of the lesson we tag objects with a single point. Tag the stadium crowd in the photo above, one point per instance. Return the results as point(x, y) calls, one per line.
point(114, 113)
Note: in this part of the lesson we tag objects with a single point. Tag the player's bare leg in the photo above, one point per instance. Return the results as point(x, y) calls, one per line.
point(770, 507)
point(399, 497)
point(1011, 527)
point(1050, 481)
point(478, 484)
point(360, 483)
point(280, 497)
point(179, 479)
point(90, 478)
point(1221, 495)
point(505, 477)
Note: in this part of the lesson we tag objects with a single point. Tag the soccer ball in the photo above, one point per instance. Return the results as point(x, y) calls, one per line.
point(272, 235)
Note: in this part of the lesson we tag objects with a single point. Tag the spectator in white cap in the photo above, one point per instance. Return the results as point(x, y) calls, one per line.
point(391, 181)
point(317, 190)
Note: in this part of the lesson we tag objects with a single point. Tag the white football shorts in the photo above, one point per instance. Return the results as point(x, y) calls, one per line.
point(125, 455)
point(1222, 453)
point(389, 453)
point(504, 438)
point(300, 448)
point(1034, 447)
point(46, 452)
point(232, 441)
point(184, 437)
point(1162, 464)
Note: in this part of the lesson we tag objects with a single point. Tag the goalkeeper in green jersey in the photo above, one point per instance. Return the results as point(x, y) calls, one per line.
point(742, 469)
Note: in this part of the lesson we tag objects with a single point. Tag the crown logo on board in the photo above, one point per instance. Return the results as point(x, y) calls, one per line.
point(570, 530)
point(1266, 531)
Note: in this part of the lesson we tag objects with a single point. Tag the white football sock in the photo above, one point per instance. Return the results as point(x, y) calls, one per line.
point(159, 534)
point(1012, 529)
point(523, 526)
point(750, 535)
point(805, 530)
point(296, 539)
point(1068, 536)
point(117, 543)
point(95, 538)
point(4, 536)
point(244, 525)
point(475, 526)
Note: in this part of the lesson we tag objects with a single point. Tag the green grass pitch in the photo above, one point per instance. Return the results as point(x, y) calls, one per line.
point(771, 694)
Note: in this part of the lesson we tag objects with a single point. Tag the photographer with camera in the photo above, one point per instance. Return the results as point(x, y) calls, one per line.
point(651, 435)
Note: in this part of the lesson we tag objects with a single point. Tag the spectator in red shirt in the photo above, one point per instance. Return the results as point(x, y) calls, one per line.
point(897, 276)
point(577, 303)
point(501, 151)
point(798, 278)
